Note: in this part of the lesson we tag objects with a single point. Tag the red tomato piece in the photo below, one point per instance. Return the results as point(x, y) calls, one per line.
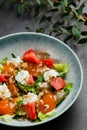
point(30, 56)
point(30, 110)
point(29, 51)
point(58, 83)
point(3, 78)
point(31, 80)
point(48, 62)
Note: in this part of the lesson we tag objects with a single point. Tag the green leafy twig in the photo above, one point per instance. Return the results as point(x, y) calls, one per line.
point(61, 16)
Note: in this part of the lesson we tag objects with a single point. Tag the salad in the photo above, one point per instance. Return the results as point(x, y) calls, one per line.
point(32, 86)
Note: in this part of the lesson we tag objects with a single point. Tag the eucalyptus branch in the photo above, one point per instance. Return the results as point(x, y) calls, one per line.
point(63, 17)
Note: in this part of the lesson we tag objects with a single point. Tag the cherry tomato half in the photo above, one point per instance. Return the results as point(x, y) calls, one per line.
point(7, 107)
point(47, 103)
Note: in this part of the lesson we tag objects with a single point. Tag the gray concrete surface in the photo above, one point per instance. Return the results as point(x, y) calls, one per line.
point(76, 117)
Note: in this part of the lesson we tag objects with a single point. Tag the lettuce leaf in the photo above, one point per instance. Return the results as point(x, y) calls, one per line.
point(6, 118)
point(43, 116)
point(68, 88)
point(61, 68)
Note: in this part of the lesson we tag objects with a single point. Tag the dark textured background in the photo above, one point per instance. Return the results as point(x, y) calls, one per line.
point(76, 117)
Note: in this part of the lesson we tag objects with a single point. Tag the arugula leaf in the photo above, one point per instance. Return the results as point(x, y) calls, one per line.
point(26, 88)
point(13, 55)
point(39, 79)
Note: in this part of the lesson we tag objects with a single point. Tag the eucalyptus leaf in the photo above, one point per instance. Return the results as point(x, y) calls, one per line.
point(53, 10)
point(76, 32)
point(84, 33)
point(65, 2)
point(40, 30)
point(51, 3)
point(68, 38)
point(38, 1)
point(73, 3)
point(69, 27)
point(20, 9)
point(57, 23)
point(64, 30)
point(76, 13)
point(85, 23)
point(82, 41)
point(63, 6)
point(44, 18)
point(58, 34)
point(80, 10)
point(28, 29)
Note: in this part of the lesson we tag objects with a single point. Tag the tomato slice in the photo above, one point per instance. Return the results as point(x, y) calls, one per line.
point(7, 107)
point(30, 110)
point(48, 62)
point(30, 56)
point(47, 103)
point(58, 83)
point(3, 78)
point(31, 80)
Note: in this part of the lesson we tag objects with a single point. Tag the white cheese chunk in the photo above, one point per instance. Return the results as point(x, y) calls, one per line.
point(4, 91)
point(22, 76)
point(30, 97)
point(43, 84)
point(50, 73)
point(16, 61)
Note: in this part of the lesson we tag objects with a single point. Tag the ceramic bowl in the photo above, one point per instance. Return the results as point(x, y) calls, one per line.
point(19, 42)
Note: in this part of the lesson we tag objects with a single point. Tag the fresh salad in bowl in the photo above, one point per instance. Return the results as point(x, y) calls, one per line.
point(32, 86)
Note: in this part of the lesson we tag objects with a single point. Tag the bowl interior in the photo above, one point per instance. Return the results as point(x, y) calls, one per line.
point(18, 43)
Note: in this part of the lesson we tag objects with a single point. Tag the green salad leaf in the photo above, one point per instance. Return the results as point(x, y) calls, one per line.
point(64, 68)
point(68, 88)
point(2, 63)
point(39, 79)
point(26, 87)
point(6, 118)
point(42, 116)
point(4, 60)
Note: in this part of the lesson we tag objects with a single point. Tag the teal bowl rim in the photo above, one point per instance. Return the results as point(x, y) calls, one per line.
point(80, 87)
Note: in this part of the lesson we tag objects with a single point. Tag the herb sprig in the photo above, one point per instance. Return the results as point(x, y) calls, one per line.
point(61, 17)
